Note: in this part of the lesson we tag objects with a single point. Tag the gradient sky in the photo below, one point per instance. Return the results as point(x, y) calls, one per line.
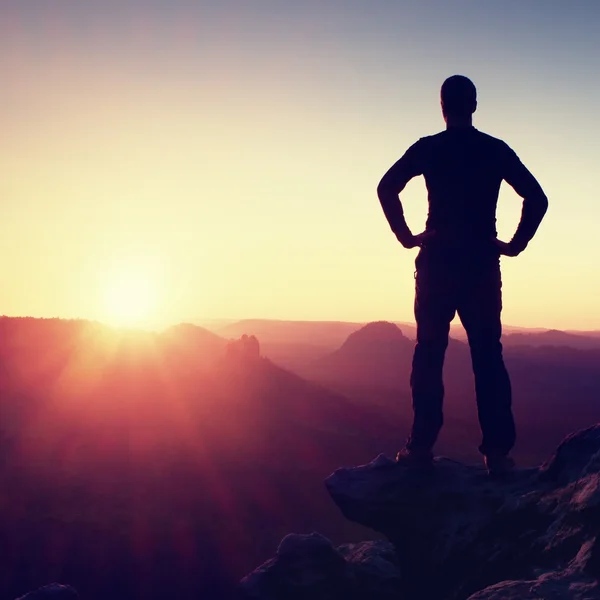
point(225, 154)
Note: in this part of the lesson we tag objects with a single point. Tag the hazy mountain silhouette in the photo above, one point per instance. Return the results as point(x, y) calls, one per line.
point(298, 345)
point(314, 333)
point(553, 337)
point(153, 465)
point(292, 344)
point(377, 355)
point(592, 333)
point(333, 333)
point(194, 339)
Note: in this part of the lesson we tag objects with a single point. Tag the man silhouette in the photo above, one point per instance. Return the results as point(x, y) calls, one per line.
point(458, 267)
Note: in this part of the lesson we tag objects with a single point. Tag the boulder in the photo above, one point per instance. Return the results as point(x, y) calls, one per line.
point(308, 567)
point(54, 591)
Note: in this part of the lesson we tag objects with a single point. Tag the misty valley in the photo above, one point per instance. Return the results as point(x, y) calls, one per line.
point(143, 465)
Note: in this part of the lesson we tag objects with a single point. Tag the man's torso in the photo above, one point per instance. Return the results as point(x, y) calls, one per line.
point(463, 170)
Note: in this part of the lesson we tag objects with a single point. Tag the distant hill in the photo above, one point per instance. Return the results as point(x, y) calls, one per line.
point(553, 337)
point(314, 333)
point(378, 354)
point(292, 344)
point(593, 333)
point(191, 342)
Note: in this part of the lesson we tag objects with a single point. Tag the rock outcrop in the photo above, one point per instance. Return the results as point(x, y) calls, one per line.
point(246, 348)
point(455, 534)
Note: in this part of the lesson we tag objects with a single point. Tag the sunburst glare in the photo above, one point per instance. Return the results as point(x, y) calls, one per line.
point(131, 300)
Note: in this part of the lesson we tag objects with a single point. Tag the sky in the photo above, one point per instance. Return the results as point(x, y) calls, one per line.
point(173, 160)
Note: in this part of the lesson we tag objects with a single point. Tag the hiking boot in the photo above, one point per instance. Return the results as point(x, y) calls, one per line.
point(499, 465)
point(419, 459)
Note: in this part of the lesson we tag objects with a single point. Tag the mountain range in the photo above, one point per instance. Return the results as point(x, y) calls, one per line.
point(139, 464)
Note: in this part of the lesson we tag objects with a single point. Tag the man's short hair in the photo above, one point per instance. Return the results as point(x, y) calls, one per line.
point(459, 96)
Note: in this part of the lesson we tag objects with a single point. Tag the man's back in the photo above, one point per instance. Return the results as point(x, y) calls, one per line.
point(463, 170)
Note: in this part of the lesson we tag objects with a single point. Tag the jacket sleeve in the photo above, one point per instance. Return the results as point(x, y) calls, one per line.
point(393, 182)
point(535, 202)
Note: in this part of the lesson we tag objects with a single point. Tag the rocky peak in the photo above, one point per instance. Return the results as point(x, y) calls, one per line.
point(377, 332)
point(247, 348)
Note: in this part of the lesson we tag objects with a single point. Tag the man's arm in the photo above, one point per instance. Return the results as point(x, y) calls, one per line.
point(388, 191)
point(535, 203)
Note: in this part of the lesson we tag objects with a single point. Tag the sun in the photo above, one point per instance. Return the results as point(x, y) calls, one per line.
point(130, 300)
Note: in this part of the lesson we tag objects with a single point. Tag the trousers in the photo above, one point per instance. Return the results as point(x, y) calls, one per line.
point(472, 287)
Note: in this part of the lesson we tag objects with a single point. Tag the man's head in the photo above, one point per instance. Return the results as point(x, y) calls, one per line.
point(459, 98)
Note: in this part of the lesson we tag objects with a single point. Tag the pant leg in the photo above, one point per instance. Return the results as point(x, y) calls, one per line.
point(434, 310)
point(479, 308)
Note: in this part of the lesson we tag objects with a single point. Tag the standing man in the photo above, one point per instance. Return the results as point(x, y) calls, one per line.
point(458, 267)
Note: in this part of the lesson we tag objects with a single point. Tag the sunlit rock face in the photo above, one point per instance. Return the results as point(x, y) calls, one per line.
point(455, 534)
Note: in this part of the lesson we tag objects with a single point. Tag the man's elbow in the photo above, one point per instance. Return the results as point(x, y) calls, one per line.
point(536, 201)
point(542, 203)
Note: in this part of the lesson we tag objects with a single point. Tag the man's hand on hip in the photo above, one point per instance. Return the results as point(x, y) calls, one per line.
point(419, 240)
point(505, 248)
